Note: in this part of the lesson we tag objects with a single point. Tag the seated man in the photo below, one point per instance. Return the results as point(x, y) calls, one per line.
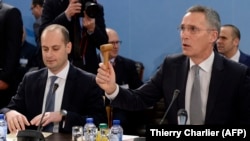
point(127, 77)
point(77, 95)
point(222, 96)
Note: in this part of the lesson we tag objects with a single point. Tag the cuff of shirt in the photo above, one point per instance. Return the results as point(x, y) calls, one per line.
point(114, 94)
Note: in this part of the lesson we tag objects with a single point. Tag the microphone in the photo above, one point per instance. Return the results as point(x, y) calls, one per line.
point(40, 128)
point(176, 93)
point(182, 117)
point(35, 135)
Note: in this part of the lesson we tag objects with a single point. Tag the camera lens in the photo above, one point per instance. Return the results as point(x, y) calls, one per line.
point(91, 9)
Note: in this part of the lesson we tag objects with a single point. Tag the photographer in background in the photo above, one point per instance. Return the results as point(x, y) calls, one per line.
point(85, 21)
point(11, 29)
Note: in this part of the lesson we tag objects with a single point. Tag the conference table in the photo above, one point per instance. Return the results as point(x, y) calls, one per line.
point(64, 137)
point(58, 137)
point(48, 137)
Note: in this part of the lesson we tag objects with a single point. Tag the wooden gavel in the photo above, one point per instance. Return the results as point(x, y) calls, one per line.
point(105, 48)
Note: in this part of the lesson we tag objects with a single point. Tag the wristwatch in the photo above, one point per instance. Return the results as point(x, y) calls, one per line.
point(63, 112)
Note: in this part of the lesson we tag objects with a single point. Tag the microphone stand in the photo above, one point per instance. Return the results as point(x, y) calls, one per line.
point(176, 93)
point(34, 135)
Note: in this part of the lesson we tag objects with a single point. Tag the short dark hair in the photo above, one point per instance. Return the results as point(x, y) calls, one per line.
point(236, 31)
point(38, 2)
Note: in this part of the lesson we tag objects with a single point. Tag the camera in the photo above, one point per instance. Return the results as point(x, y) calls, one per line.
point(90, 7)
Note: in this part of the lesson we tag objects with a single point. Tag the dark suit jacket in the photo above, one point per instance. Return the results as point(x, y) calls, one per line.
point(228, 98)
point(81, 98)
point(28, 52)
point(126, 72)
point(244, 59)
point(53, 13)
point(11, 29)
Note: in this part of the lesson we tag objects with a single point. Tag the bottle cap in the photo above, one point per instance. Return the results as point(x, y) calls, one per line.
point(1, 116)
point(116, 122)
point(103, 125)
point(89, 120)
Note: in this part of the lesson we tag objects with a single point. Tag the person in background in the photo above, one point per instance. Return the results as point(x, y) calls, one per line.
point(223, 86)
point(27, 57)
point(11, 30)
point(228, 44)
point(36, 10)
point(87, 30)
point(77, 95)
point(127, 77)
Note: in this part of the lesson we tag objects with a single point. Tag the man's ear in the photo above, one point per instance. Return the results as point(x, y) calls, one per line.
point(214, 36)
point(69, 47)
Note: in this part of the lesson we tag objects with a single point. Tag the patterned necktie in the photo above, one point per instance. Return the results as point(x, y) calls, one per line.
point(50, 101)
point(196, 117)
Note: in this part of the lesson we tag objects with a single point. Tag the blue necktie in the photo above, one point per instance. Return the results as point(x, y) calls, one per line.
point(196, 117)
point(50, 101)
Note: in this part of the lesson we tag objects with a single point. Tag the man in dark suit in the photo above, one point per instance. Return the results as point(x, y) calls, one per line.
point(77, 95)
point(11, 29)
point(228, 44)
point(224, 84)
point(127, 77)
point(27, 58)
point(87, 33)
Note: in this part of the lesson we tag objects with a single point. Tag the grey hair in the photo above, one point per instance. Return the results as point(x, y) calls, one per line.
point(212, 17)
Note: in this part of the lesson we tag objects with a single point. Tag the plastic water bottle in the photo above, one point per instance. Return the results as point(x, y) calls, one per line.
point(90, 130)
point(116, 131)
point(3, 128)
point(103, 132)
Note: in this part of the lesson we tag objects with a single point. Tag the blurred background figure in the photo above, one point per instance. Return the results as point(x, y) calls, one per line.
point(36, 10)
point(27, 57)
point(11, 29)
point(127, 76)
point(228, 44)
point(85, 21)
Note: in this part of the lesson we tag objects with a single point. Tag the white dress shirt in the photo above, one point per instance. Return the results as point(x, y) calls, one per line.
point(236, 56)
point(205, 76)
point(61, 80)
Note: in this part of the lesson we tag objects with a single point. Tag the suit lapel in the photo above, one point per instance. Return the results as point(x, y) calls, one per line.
point(181, 79)
point(41, 84)
point(217, 76)
point(68, 87)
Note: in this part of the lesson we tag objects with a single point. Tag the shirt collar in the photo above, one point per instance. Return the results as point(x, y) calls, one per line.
point(206, 65)
point(62, 74)
point(236, 56)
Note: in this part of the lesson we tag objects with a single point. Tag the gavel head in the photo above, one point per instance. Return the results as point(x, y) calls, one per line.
point(105, 48)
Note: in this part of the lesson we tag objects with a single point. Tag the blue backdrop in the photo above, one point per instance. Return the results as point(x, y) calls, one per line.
point(148, 28)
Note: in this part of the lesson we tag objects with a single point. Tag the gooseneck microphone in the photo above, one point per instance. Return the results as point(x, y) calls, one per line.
point(40, 128)
point(182, 117)
point(35, 135)
point(176, 93)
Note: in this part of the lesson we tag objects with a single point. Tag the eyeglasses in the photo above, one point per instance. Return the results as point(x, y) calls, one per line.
point(191, 29)
point(115, 42)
